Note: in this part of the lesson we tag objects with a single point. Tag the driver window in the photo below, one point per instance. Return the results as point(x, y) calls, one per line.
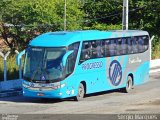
point(70, 63)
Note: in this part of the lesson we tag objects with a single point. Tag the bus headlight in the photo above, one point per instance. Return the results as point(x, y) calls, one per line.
point(58, 86)
point(26, 86)
point(45, 86)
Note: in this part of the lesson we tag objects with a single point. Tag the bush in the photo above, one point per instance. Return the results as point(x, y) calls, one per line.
point(156, 48)
point(98, 26)
point(12, 68)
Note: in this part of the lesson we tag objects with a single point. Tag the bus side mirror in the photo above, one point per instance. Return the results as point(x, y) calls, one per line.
point(64, 59)
point(19, 56)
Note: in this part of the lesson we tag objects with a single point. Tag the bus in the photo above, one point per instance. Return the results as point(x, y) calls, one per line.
point(72, 64)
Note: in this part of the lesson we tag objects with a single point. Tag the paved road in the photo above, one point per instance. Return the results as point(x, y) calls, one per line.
point(143, 99)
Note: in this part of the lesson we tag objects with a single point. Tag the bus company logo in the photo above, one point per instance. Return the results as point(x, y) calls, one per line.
point(90, 66)
point(115, 73)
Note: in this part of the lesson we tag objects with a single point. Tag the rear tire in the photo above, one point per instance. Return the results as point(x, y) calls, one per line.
point(129, 85)
point(81, 93)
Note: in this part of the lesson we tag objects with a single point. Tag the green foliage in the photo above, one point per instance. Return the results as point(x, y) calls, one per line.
point(100, 10)
point(143, 15)
point(146, 15)
point(33, 17)
point(99, 26)
point(30, 18)
point(12, 68)
point(156, 48)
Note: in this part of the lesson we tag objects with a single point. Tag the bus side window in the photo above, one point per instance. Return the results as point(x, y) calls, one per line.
point(129, 43)
point(124, 46)
point(146, 42)
point(112, 48)
point(74, 47)
point(72, 58)
point(135, 45)
point(140, 44)
point(103, 48)
point(85, 53)
point(82, 56)
point(99, 49)
point(106, 48)
point(93, 51)
point(118, 46)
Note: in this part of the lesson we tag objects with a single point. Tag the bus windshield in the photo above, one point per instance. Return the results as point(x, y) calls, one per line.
point(44, 63)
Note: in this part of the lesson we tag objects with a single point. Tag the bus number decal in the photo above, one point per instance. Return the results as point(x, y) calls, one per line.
point(94, 65)
point(115, 73)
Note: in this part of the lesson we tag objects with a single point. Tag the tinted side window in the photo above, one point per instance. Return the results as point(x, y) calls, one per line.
point(118, 46)
point(85, 52)
point(129, 46)
point(96, 49)
point(99, 50)
point(124, 46)
point(146, 42)
point(112, 47)
point(74, 47)
point(105, 48)
point(137, 44)
point(93, 51)
point(141, 44)
point(72, 58)
point(134, 45)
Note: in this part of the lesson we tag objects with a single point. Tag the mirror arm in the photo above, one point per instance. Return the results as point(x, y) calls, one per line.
point(19, 56)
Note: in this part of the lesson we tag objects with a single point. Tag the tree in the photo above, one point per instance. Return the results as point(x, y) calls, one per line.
point(103, 12)
point(145, 15)
point(142, 14)
point(22, 20)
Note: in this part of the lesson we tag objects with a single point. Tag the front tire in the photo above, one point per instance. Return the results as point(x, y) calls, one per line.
point(81, 93)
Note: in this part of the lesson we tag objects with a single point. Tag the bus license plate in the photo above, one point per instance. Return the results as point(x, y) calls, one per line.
point(40, 94)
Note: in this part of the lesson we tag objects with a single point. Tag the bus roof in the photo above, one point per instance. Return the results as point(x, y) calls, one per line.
point(65, 38)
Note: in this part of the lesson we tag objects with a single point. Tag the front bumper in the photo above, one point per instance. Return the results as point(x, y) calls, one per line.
point(53, 90)
point(42, 94)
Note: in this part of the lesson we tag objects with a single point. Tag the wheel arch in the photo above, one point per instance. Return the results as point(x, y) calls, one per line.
point(85, 86)
point(132, 76)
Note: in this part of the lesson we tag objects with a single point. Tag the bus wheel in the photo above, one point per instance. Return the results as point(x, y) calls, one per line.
point(129, 85)
point(81, 93)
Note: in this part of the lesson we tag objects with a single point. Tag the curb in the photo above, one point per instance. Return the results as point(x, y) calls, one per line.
point(154, 66)
point(154, 70)
point(155, 63)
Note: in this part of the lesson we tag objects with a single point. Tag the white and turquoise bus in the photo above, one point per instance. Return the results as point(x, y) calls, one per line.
point(72, 64)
